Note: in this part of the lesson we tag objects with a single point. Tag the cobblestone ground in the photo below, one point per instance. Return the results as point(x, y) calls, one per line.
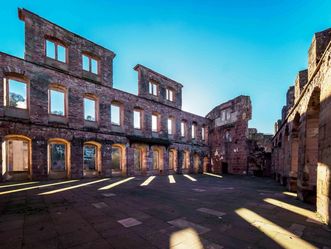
point(210, 212)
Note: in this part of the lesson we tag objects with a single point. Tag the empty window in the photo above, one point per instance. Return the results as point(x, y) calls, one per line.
point(56, 51)
point(226, 115)
point(155, 121)
point(90, 64)
point(90, 157)
point(194, 127)
point(89, 109)
point(57, 102)
point(203, 133)
point(137, 119)
point(57, 156)
point(182, 129)
point(116, 158)
point(17, 155)
point(115, 114)
point(170, 126)
point(153, 88)
point(16, 93)
point(169, 95)
point(137, 159)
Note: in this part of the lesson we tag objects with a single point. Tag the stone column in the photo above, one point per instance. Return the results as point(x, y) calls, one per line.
point(180, 157)
point(149, 161)
point(39, 167)
point(130, 161)
point(76, 158)
point(106, 160)
point(201, 162)
point(165, 162)
point(1, 159)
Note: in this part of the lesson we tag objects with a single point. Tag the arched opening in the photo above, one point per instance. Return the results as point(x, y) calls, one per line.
point(118, 160)
point(173, 160)
point(294, 154)
point(308, 177)
point(139, 159)
point(16, 154)
point(186, 161)
point(285, 155)
point(196, 163)
point(58, 158)
point(157, 159)
point(91, 158)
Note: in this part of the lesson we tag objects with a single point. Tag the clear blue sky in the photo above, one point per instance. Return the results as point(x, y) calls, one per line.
point(216, 49)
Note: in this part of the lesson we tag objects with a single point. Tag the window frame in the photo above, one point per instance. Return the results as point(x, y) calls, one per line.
point(203, 133)
point(67, 155)
point(151, 88)
point(194, 130)
point(90, 58)
point(56, 43)
point(121, 154)
point(173, 125)
point(140, 111)
point(96, 107)
point(97, 160)
point(170, 95)
point(120, 106)
point(183, 128)
point(5, 149)
point(62, 89)
point(157, 115)
point(6, 91)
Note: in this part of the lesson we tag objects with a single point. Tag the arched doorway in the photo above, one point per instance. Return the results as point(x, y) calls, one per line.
point(294, 154)
point(91, 159)
point(308, 176)
point(118, 165)
point(196, 163)
point(16, 154)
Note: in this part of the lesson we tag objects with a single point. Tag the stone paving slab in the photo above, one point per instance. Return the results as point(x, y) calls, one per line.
point(129, 222)
point(182, 223)
point(211, 212)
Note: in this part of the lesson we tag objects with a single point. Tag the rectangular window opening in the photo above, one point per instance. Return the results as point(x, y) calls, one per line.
point(89, 109)
point(115, 114)
point(137, 119)
point(57, 102)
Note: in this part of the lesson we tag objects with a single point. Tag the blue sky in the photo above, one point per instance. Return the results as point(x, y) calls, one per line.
point(216, 49)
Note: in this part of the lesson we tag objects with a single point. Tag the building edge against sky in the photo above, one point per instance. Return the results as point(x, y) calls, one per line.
point(99, 130)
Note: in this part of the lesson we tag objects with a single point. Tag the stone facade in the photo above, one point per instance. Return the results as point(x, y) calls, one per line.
point(301, 156)
point(152, 135)
point(228, 135)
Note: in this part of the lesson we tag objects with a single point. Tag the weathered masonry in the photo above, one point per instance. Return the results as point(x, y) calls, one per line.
point(301, 157)
point(60, 116)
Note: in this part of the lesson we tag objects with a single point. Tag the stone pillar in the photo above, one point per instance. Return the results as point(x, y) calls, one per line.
point(1, 159)
point(180, 157)
point(201, 162)
point(165, 162)
point(130, 161)
point(149, 161)
point(106, 167)
point(76, 161)
point(39, 167)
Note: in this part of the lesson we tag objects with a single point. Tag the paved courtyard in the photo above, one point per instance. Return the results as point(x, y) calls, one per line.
point(196, 211)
